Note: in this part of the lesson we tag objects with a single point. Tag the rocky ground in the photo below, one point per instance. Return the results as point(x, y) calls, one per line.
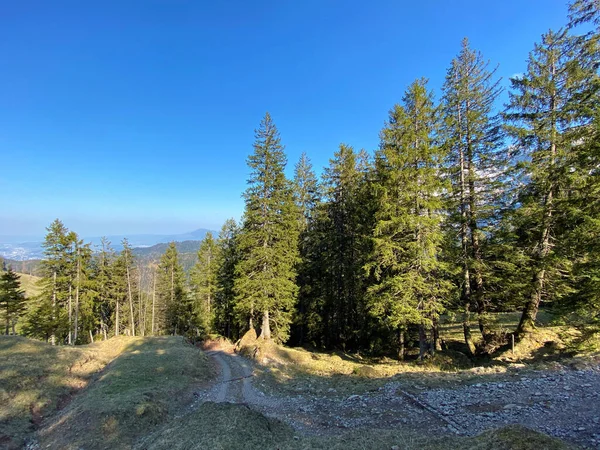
point(564, 403)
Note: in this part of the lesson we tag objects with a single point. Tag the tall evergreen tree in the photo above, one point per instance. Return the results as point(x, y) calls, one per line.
point(307, 194)
point(47, 319)
point(551, 113)
point(337, 249)
point(224, 297)
point(174, 302)
point(204, 284)
point(126, 290)
point(105, 285)
point(12, 299)
point(268, 242)
point(409, 285)
point(472, 139)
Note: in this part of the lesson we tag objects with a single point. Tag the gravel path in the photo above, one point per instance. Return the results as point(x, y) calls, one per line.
point(563, 403)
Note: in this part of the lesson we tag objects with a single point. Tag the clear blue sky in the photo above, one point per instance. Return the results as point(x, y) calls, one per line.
point(137, 116)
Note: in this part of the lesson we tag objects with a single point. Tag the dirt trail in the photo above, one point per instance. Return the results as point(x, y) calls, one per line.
point(561, 403)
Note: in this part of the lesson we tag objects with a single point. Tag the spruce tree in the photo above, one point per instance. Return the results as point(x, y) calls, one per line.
point(266, 273)
point(48, 318)
point(204, 284)
point(307, 194)
point(224, 296)
point(472, 140)
point(549, 109)
point(584, 168)
point(175, 305)
point(409, 284)
point(337, 248)
point(105, 285)
point(125, 291)
point(12, 299)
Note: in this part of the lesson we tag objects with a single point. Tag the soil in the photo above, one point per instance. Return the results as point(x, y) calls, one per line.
point(564, 403)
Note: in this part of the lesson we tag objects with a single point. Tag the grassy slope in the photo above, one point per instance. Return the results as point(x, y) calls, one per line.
point(294, 370)
point(148, 383)
point(231, 427)
point(145, 381)
point(36, 379)
point(29, 284)
point(137, 402)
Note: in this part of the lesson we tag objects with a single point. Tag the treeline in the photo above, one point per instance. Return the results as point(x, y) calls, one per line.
point(467, 207)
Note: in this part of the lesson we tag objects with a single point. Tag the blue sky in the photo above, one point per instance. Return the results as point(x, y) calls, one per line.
point(137, 116)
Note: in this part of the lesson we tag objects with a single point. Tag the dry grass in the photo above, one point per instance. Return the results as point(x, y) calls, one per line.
point(37, 379)
point(295, 370)
point(232, 427)
point(30, 284)
point(152, 379)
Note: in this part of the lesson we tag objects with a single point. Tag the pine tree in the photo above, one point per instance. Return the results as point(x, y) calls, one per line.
point(125, 289)
point(472, 139)
point(224, 297)
point(409, 285)
point(12, 299)
point(47, 318)
point(268, 241)
point(174, 302)
point(307, 194)
point(337, 248)
point(584, 11)
point(204, 284)
point(585, 181)
point(549, 114)
point(104, 279)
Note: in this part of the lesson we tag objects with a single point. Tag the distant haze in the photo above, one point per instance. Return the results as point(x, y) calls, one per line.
point(27, 247)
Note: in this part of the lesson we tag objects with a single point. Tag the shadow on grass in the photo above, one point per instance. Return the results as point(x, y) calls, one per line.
point(99, 394)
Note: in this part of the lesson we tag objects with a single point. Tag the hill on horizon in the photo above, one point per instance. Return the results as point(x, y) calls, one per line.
point(30, 250)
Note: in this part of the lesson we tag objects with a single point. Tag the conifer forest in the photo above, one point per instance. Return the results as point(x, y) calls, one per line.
point(469, 206)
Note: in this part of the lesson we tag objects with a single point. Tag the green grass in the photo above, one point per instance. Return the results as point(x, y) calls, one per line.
point(148, 383)
point(232, 427)
point(29, 283)
point(37, 379)
point(133, 393)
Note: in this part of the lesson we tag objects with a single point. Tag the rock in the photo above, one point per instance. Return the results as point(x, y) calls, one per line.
point(511, 406)
point(353, 397)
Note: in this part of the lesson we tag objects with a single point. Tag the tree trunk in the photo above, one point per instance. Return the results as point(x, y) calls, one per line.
point(401, 349)
point(422, 341)
point(91, 337)
point(140, 323)
point(265, 332)
point(70, 338)
point(117, 319)
point(7, 317)
point(130, 297)
point(53, 335)
point(467, 330)
point(436, 345)
point(153, 299)
point(77, 297)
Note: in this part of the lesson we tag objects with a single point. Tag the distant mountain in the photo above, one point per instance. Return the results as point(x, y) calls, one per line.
point(188, 253)
point(32, 249)
point(148, 240)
